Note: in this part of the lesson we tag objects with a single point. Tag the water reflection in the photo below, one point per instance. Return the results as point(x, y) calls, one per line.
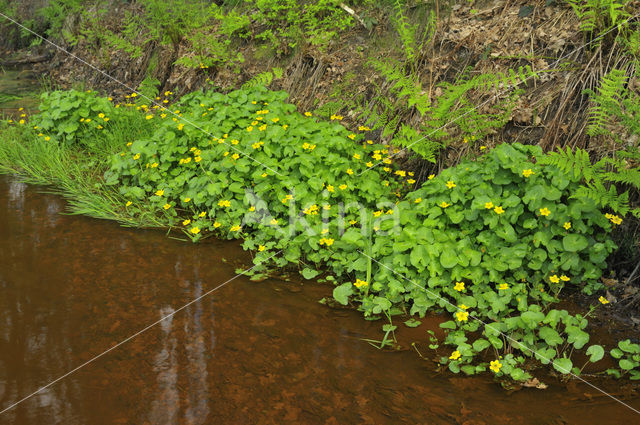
point(248, 353)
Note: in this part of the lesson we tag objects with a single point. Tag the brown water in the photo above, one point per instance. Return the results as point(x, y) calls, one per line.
point(71, 287)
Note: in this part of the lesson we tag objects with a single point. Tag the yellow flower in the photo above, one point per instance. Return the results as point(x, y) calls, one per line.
point(464, 307)
point(256, 145)
point(136, 156)
point(336, 117)
point(359, 283)
point(159, 192)
point(369, 164)
point(47, 138)
point(603, 300)
point(274, 222)
point(330, 188)
point(261, 248)
point(377, 213)
point(418, 200)
point(252, 208)
point(565, 278)
point(389, 212)
point(554, 279)
point(99, 127)
point(154, 165)
point(411, 181)
point(443, 204)
point(216, 224)
point(224, 203)
point(503, 286)
point(459, 286)
point(128, 203)
point(263, 175)
point(262, 127)
point(363, 128)
point(106, 119)
point(495, 366)
point(187, 200)
point(545, 211)
point(275, 120)
point(450, 184)
point(527, 173)
point(134, 94)
point(250, 128)
point(287, 199)
point(356, 156)
point(328, 241)
point(498, 210)
point(101, 115)
point(455, 355)
point(567, 225)
point(235, 228)
point(235, 156)
point(342, 186)
point(488, 205)
point(431, 176)
point(203, 214)
point(349, 171)
point(197, 159)
point(308, 114)
point(616, 220)
point(180, 126)
point(130, 143)
point(285, 126)
point(185, 222)
point(400, 173)
point(462, 316)
point(351, 136)
point(149, 117)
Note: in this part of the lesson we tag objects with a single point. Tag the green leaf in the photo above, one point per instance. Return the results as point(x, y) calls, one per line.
point(574, 243)
point(550, 336)
point(309, 273)
point(563, 365)
point(448, 258)
point(626, 364)
point(448, 325)
point(595, 353)
point(341, 293)
point(480, 345)
point(412, 323)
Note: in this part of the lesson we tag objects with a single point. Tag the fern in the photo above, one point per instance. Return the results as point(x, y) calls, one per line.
point(264, 78)
point(599, 179)
point(607, 103)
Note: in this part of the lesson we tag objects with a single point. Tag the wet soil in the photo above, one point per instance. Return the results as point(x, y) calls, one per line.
point(71, 287)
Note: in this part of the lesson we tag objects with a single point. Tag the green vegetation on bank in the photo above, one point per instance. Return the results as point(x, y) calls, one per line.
point(497, 238)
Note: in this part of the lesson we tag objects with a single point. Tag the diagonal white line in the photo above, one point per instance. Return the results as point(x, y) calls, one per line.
point(499, 94)
point(517, 343)
point(152, 101)
point(132, 336)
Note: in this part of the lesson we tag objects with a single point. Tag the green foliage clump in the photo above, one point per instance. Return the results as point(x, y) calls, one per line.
point(496, 239)
point(86, 118)
point(221, 155)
